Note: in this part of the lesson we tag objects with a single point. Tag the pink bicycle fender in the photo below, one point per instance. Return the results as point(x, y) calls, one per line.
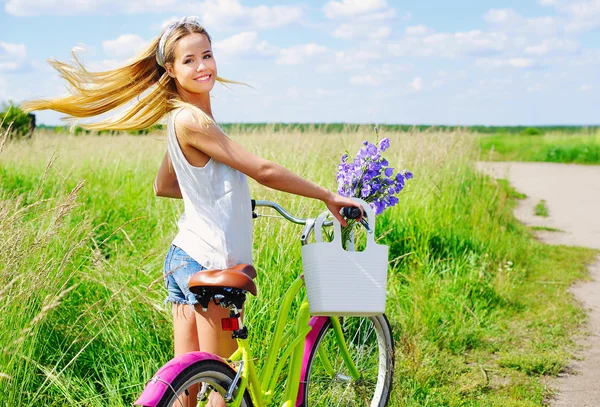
point(155, 388)
point(316, 323)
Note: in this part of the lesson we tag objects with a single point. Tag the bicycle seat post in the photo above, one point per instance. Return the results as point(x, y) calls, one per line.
point(234, 323)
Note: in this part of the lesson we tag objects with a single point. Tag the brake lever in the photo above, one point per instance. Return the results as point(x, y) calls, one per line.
point(310, 224)
point(366, 225)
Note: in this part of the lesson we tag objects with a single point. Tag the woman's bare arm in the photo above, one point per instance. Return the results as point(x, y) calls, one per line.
point(217, 145)
point(165, 183)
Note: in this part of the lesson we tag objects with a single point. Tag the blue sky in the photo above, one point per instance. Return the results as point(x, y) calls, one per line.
point(527, 62)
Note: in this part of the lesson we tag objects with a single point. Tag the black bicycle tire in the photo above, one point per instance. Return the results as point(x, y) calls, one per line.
point(388, 338)
point(202, 366)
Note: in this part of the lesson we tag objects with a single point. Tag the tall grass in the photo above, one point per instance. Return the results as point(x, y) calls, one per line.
point(557, 147)
point(479, 310)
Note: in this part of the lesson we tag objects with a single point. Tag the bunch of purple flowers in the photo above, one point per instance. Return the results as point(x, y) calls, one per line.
point(370, 177)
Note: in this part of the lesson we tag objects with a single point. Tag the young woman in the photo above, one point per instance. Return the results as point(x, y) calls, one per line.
point(178, 71)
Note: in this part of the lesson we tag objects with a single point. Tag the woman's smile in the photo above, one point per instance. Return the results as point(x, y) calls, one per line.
point(203, 78)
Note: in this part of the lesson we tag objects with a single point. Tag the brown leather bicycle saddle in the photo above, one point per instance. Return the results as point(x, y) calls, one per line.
point(241, 276)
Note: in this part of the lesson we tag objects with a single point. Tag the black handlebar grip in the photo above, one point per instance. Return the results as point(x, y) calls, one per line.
point(253, 203)
point(351, 212)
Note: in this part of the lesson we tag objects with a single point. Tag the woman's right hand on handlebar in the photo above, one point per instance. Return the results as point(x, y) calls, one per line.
point(336, 202)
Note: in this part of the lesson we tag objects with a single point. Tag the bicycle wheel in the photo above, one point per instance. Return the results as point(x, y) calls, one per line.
point(371, 347)
point(204, 378)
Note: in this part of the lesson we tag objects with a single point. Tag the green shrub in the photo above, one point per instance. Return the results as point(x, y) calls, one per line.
point(23, 123)
point(532, 131)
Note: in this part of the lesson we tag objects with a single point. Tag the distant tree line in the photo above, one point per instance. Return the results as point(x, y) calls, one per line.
point(345, 127)
point(80, 130)
point(23, 125)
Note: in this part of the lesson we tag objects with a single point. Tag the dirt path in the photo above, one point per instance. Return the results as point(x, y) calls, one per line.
point(572, 195)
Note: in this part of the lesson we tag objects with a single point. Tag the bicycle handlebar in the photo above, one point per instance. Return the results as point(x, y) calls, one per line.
point(351, 212)
point(278, 208)
point(348, 212)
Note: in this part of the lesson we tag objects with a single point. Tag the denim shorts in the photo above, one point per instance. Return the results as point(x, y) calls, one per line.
point(179, 267)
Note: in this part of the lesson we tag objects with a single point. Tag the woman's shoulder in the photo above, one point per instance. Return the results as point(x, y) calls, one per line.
point(192, 118)
point(182, 116)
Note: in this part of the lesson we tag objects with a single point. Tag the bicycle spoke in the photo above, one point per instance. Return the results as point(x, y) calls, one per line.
point(368, 342)
point(201, 385)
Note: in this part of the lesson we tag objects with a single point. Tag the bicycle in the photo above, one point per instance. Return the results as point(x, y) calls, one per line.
point(345, 361)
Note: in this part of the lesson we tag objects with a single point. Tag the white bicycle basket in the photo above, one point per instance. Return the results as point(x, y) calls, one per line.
point(345, 282)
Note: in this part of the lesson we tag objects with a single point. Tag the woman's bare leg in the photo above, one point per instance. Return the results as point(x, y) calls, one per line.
point(185, 340)
point(201, 331)
point(213, 339)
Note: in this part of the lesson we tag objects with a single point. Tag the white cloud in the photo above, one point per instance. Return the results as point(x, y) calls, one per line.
point(163, 24)
point(300, 53)
point(409, 47)
point(496, 84)
point(553, 46)
point(418, 30)
point(383, 15)
point(473, 42)
point(380, 33)
point(347, 58)
point(468, 93)
point(349, 31)
point(391, 70)
point(589, 58)
point(19, 86)
point(54, 7)
point(365, 18)
point(276, 16)
point(76, 7)
point(327, 92)
point(581, 25)
point(12, 56)
point(508, 20)
point(582, 15)
point(216, 14)
point(451, 45)
point(365, 80)
point(546, 25)
point(244, 43)
point(416, 84)
point(583, 9)
point(535, 88)
point(354, 60)
point(232, 14)
point(501, 16)
point(490, 63)
point(406, 16)
point(449, 77)
point(353, 8)
point(124, 46)
point(585, 88)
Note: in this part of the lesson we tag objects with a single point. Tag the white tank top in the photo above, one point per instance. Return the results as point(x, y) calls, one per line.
point(216, 226)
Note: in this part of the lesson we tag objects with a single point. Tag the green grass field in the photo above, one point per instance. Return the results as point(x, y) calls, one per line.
point(480, 310)
point(557, 147)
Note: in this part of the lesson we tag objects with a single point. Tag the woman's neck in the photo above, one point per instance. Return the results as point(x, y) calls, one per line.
point(200, 100)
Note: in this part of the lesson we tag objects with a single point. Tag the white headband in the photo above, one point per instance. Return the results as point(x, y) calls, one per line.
point(160, 53)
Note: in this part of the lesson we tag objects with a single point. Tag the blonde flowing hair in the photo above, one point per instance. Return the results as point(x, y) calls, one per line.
point(95, 93)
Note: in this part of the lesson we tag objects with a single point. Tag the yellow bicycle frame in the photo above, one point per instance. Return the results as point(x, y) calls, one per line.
point(291, 344)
